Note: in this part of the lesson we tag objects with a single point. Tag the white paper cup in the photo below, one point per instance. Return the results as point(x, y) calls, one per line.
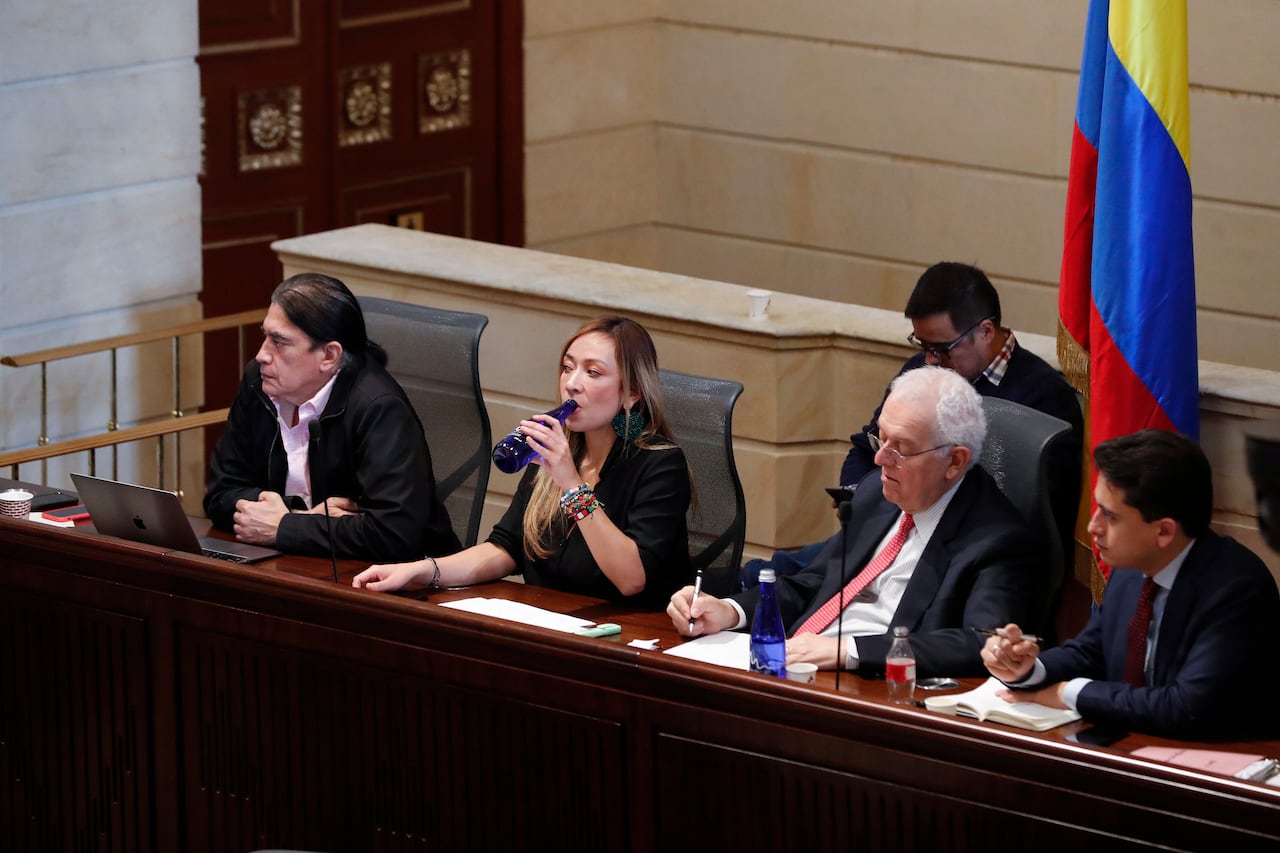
point(15, 503)
point(805, 673)
point(758, 303)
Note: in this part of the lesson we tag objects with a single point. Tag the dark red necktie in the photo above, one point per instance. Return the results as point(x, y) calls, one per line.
point(1134, 666)
point(826, 614)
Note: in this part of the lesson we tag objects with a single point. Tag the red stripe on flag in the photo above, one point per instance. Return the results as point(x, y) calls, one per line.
point(1075, 303)
point(1120, 402)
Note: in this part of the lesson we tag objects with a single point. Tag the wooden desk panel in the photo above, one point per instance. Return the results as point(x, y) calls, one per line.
point(165, 701)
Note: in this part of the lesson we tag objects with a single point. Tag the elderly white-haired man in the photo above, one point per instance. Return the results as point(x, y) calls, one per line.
point(933, 544)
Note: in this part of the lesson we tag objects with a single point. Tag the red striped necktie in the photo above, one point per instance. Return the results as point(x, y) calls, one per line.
point(1136, 659)
point(827, 613)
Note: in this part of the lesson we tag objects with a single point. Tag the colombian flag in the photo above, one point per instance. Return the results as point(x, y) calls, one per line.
point(1126, 298)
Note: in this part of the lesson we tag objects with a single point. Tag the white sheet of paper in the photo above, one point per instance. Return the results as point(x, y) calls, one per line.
point(526, 614)
point(727, 648)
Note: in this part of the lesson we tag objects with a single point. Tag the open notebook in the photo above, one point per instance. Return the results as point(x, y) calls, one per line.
point(983, 704)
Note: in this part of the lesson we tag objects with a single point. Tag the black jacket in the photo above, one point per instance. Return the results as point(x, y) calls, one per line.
point(980, 569)
point(646, 495)
point(373, 451)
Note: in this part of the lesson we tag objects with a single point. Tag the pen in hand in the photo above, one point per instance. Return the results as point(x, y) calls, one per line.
point(697, 590)
point(999, 632)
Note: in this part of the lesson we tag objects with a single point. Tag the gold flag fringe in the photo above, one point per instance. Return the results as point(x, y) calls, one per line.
point(1074, 361)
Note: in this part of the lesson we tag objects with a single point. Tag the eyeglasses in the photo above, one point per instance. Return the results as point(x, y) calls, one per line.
point(896, 458)
point(943, 351)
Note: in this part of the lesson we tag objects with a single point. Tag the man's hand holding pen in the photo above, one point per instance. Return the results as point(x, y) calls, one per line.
point(709, 616)
point(1009, 654)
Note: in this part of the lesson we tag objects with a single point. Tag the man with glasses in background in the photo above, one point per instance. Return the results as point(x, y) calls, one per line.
point(933, 545)
point(955, 319)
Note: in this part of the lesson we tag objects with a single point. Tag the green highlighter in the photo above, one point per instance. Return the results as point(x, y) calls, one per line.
point(604, 629)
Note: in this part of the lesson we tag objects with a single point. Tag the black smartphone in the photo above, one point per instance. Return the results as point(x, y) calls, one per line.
point(839, 493)
point(52, 500)
point(1098, 736)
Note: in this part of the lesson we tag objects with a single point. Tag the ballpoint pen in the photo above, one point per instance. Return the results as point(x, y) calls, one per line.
point(697, 590)
point(999, 632)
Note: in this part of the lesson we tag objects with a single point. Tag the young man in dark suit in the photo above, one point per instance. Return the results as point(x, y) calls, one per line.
point(1184, 643)
point(933, 545)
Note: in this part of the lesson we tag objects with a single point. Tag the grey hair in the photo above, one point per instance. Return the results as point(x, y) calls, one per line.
point(958, 414)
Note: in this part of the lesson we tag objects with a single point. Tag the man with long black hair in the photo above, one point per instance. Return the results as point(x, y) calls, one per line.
point(318, 416)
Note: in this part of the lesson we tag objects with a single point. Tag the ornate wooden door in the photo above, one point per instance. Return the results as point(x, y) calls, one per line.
point(325, 113)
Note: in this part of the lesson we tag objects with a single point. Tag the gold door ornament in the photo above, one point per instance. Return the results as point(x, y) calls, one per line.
point(444, 91)
point(270, 123)
point(366, 104)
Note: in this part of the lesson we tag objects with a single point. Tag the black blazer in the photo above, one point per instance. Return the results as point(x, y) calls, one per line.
point(979, 570)
point(1217, 657)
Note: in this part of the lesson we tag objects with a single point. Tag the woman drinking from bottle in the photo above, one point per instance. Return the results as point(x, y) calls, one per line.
point(602, 510)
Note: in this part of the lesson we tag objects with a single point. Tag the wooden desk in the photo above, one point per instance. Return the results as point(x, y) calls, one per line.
point(162, 702)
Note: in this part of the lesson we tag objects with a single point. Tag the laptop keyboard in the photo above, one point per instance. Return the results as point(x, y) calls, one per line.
point(222, 555)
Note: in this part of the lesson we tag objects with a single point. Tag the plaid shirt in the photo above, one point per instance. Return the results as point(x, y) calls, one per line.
point(1000, 364)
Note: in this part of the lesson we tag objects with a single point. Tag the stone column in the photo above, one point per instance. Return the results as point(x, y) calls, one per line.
point(99, 206)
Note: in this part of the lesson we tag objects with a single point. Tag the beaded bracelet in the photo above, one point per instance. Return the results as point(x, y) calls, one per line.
point(579, 502)
point(435, 576)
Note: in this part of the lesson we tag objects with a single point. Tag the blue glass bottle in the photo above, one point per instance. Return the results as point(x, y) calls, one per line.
point(513, 452)
point(768, 637)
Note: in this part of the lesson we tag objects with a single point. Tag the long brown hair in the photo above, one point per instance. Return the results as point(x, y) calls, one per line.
point(637, 373)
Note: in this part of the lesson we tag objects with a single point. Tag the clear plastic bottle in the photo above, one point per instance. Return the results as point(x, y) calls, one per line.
point(768, 637)
point(513, 452)
point(900, 668)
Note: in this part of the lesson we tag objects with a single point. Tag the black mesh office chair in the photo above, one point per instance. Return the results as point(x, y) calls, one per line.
point(1016, 455)
point(700, 411)
point(434, 355)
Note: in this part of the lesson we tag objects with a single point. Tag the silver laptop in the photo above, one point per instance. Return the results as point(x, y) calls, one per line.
point(155, 517)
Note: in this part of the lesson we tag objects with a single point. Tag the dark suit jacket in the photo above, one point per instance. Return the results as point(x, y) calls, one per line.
point(979, 570)
point(1217, 653)
point(1030, 381)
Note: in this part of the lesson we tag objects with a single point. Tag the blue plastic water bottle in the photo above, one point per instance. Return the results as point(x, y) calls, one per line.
point(768, 637)
point(513, 452)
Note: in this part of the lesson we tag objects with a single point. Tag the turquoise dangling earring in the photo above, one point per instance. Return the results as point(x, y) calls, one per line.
point(628, 426)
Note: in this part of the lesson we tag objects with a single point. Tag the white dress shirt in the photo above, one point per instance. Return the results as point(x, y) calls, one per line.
point(297, 438)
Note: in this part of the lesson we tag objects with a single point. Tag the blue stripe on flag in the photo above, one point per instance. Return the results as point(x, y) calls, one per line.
point(1143, 263)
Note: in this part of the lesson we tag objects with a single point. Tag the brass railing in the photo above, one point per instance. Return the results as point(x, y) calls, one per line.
point(113, 435)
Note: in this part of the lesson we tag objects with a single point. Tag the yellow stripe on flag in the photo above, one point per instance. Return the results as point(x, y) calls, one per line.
point(1150, 38)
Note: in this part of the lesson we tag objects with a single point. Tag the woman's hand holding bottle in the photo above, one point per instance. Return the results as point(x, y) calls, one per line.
point(546, 436)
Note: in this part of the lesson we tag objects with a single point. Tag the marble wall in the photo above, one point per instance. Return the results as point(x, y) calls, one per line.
point(830, 149)
point(99, 208)
point(813, 370)
point(835, 148)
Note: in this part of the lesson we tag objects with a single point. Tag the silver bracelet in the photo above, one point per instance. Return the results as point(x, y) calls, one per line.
point(435, 576)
